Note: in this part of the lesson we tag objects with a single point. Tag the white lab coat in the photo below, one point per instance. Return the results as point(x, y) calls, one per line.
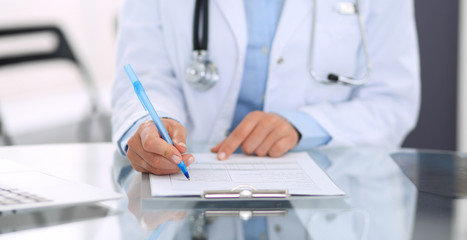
point(155, 37)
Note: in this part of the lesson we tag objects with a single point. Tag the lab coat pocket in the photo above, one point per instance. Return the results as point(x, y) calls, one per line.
point(336, 50)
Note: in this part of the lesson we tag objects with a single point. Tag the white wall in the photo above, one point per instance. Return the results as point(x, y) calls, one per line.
point(462, 80)
point(39, 96)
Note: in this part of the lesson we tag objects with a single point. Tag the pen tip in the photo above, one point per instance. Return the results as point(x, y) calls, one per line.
point(188, 179)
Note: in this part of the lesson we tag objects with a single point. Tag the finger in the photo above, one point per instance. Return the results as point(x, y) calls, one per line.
point(273, 136)
point(160, 162)
point(147, 161)
point(164, 165)
point(154, 163)
point(177, 132)
point(181, 147)
point(144, 165)
point(135, 159)
point(188, 159)
point(240, 133)
point(152, 142)
point(135, 145)
point(280, 147)
point(170, 168)
point(260, 132)
point(216, 148)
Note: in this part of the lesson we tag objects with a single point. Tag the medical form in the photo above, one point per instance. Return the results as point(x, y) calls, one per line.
point(296, 172)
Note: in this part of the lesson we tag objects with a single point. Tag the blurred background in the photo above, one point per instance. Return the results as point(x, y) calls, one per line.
point(57, 68)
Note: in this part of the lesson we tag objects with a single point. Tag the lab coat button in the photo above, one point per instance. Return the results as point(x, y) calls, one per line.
point(277, 228)
point(280, 61)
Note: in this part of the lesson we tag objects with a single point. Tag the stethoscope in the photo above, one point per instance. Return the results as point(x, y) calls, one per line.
point(202, 74)
point(344, 8)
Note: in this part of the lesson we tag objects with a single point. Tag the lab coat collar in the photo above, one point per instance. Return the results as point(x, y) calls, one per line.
point(234, 13)
point(291, 17)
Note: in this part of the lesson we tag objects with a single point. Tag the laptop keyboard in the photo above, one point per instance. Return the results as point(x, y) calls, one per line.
point(13, 196)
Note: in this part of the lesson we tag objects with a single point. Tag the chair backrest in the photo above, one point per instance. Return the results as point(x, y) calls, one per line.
point(62, 51)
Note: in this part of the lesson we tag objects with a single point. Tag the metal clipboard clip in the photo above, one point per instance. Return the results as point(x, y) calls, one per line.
point(246, 214)
point(245, 191)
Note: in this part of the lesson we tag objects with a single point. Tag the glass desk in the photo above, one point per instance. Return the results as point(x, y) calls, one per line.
point(406, 194)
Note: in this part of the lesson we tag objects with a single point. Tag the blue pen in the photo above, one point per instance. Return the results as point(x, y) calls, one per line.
point(143, 98)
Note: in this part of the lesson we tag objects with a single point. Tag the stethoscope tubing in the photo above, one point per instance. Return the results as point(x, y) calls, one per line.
point(201, 6)
point(208, 76)
point(334, 78)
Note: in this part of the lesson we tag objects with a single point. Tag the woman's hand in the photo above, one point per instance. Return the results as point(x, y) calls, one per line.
point(148, 152)
point(261, 133)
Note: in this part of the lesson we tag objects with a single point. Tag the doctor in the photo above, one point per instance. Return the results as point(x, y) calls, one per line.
point(284, 69)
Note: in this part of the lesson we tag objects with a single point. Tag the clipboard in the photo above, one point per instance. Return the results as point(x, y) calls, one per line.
point(243, 208)
point(295, 174)
point(238, 200)
point(245, 191)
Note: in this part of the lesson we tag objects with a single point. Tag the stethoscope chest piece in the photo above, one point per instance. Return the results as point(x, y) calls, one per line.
point(202, 74)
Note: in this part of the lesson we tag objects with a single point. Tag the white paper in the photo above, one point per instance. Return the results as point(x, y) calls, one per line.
point(296, 172)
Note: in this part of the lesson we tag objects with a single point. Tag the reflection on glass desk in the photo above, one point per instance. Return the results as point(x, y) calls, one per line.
point(443, 173)
point(52, 216)
point(381, 202)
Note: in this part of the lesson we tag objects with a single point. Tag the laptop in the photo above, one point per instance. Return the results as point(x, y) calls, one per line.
point(24, 189)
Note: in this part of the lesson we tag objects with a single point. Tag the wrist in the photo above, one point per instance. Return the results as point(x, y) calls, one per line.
point(299, 134)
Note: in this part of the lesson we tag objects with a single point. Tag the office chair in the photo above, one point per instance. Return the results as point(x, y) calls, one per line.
point(62, 51)
point(5, 138)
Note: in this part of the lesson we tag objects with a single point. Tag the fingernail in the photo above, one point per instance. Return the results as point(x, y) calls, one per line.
point(191, 160)
point(221, 156)
point(182, 144)
point(176, 159)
